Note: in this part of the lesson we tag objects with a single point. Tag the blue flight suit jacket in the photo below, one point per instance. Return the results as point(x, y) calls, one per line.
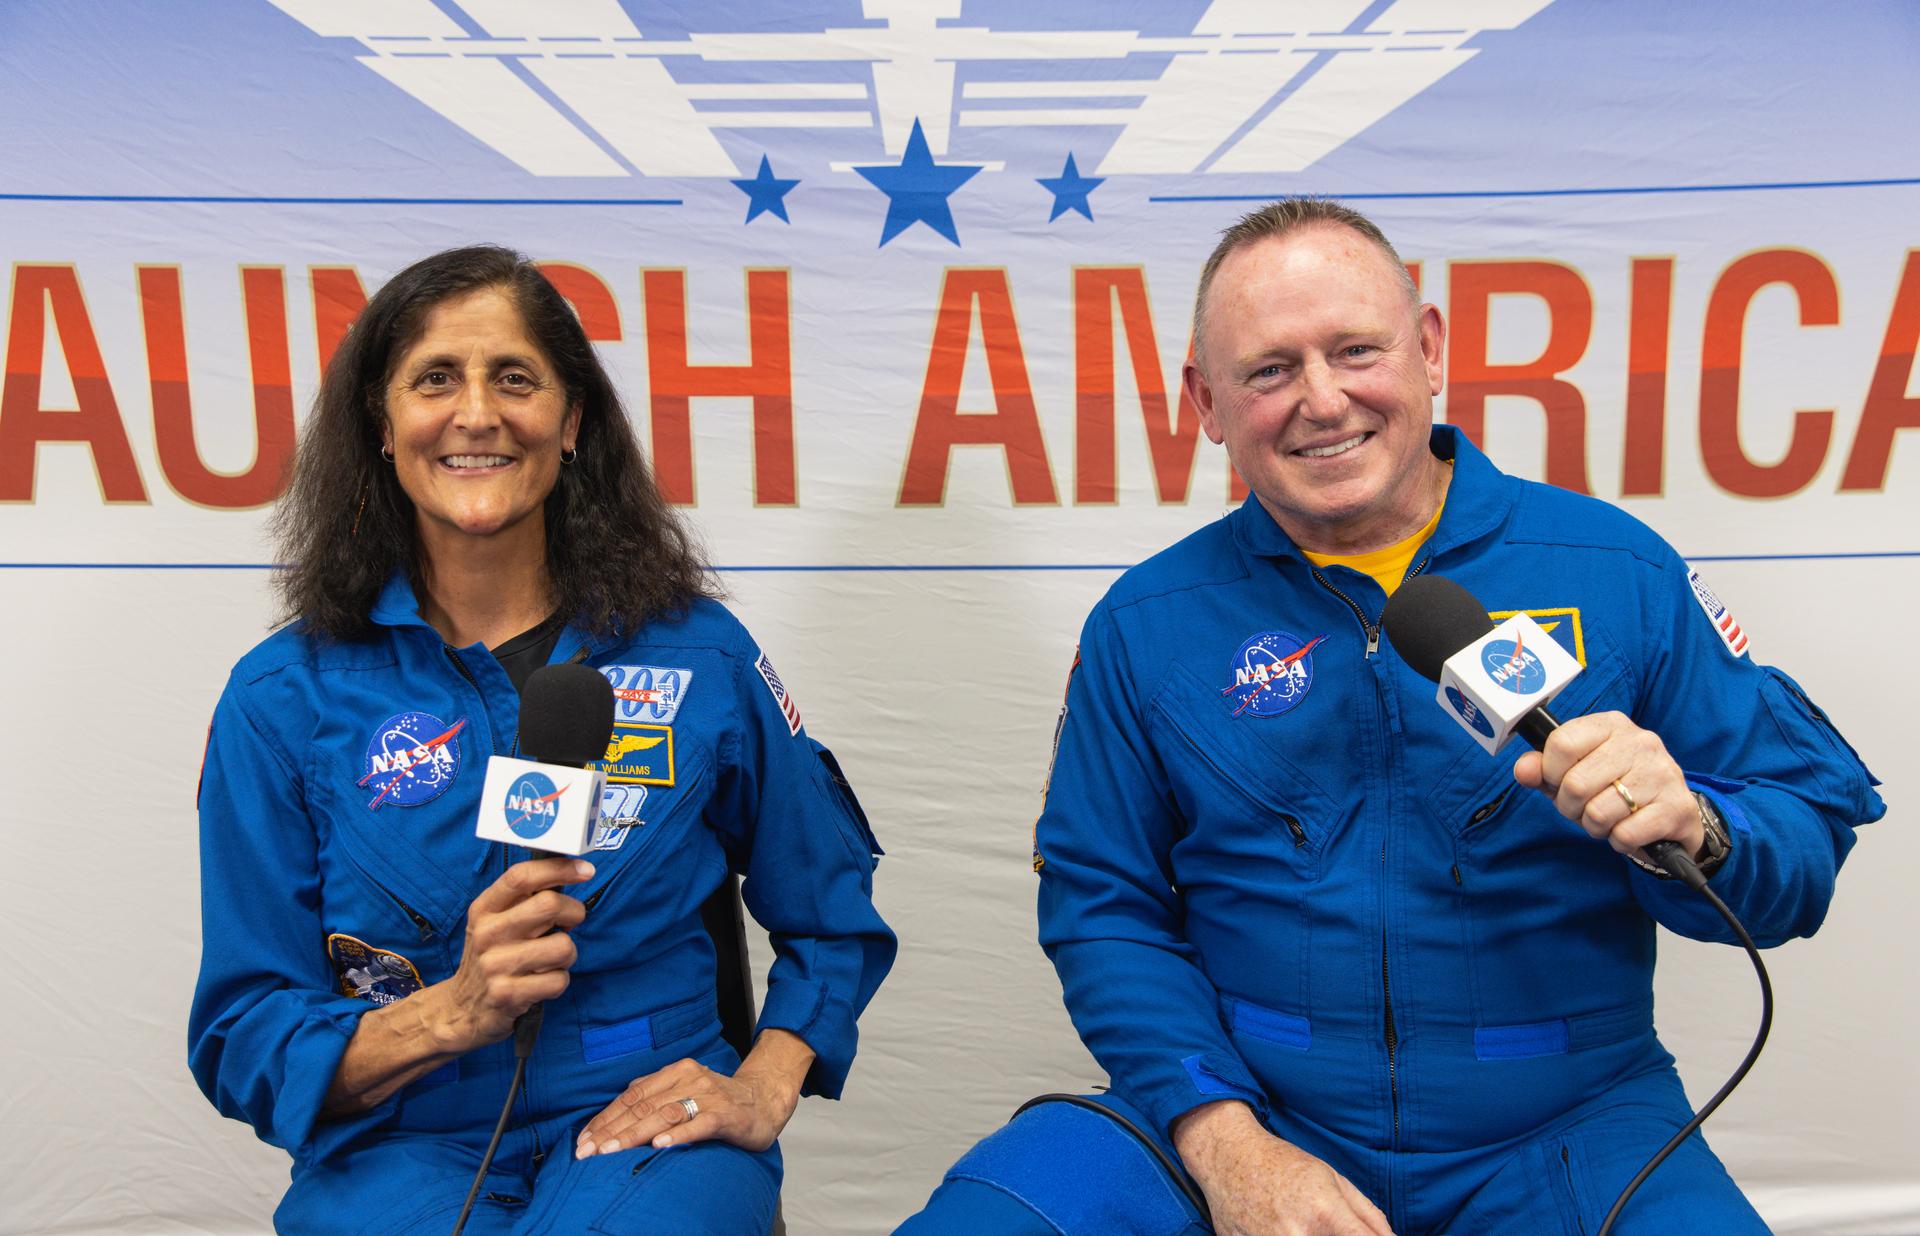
point(338, 860)
point(1295, 881)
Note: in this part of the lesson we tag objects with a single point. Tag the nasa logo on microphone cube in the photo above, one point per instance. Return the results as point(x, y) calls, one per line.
point(1500, 677)
point(541, 806)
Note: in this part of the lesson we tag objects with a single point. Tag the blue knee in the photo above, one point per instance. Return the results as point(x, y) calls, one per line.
point(1064, 1171)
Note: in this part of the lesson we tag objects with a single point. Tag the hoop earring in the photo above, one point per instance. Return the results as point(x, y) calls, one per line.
point(569, 455)
point(386, 453)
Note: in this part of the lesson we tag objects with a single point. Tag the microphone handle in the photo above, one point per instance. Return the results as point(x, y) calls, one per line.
point(526, 1028)
point(1670, 856)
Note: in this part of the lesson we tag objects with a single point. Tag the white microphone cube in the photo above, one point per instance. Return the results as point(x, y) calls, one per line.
point(546, 807)
point(1492, 683)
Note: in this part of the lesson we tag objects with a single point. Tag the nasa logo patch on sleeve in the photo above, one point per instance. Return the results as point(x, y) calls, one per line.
point(1723, 624)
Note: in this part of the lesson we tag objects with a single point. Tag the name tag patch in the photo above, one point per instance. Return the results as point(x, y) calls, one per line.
point(1562, 623)
point(370, 973)
point(639, 755)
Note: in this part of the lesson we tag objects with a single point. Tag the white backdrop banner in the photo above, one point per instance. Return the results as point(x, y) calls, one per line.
point(898, 293)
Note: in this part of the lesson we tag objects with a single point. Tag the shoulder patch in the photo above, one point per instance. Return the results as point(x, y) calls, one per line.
point(1723, 624)
point(788, 709)
point(371, 973)
point(1059, 728)
point(649, 693)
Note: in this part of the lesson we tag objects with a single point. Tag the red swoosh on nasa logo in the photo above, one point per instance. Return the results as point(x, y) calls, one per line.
point(1291, 657)
point(1517, 660)
point(430, 744)
point(544, 798)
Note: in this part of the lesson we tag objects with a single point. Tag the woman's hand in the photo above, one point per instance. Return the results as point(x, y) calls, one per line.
point(510, 963)
point(747, 1110)
point(517, 952)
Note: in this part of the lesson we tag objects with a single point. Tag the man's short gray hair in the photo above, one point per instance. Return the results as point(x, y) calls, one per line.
point(1284, 218)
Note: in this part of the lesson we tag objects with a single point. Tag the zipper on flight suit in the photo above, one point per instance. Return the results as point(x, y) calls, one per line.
point(420, 923)
point(1392, 1033)
point(1370, 627)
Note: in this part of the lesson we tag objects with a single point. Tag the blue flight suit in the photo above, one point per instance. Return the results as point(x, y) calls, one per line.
point(1292, 879)
point(338, 859)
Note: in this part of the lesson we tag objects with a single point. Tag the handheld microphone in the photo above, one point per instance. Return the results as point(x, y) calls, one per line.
point(1495, 681)
point(548, 800)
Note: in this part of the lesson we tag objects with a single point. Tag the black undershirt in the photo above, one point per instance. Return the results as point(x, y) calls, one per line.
point(528, 651)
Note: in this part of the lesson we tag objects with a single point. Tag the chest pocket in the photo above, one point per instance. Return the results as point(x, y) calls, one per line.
point(655, 861)
point(398, 874)
point(1242, 799)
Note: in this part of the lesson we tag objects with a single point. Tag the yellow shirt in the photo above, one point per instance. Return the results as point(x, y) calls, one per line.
point(1387, 566)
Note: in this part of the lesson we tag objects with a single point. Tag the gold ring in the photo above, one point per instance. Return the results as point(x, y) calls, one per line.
point(1625, 797)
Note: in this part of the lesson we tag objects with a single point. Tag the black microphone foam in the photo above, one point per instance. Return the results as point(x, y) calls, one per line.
point(566, 715)
point(1429, 618)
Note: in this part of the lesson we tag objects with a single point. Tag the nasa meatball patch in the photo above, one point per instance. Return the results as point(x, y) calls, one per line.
point(1723, 624)
point(412, 758)
point(370, 973)
point(1272, 673)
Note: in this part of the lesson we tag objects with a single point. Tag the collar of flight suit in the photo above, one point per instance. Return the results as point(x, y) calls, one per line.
point(398, 607)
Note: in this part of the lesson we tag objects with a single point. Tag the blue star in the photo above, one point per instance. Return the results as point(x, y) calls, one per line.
point(1070, 190)
point(766, 195)
point(917, 189)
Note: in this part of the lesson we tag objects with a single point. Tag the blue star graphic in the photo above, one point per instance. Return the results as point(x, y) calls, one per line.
point(1070, 190)
point(766, 194)
point(917, 189)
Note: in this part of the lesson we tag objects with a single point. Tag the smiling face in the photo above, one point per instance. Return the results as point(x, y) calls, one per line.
point(1319, 376)
point(476, 421)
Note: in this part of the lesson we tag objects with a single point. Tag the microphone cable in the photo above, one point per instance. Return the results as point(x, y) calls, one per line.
point(525, 1030)
point(1684, 870)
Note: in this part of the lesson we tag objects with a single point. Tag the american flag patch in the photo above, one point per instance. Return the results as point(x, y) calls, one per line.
point(788, 709)
point(1723, 624)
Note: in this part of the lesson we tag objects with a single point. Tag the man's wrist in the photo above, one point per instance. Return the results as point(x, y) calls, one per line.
point(1198, 1131)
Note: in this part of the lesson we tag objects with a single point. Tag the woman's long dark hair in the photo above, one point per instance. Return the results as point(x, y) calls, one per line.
point(617, 554)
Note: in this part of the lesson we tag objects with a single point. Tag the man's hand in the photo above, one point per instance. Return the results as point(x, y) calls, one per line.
point(1258, 1185)
point(747, 1110)
point(1583, 761)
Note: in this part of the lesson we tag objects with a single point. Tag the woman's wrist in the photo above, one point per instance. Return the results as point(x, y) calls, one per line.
point(391, 1046)
point(440, 1023)
point(780, 1060)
